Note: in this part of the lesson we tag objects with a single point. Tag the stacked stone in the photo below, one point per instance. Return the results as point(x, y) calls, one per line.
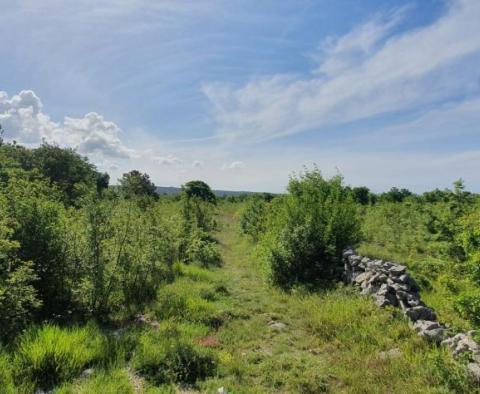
point(463, 346)
point(391, 285)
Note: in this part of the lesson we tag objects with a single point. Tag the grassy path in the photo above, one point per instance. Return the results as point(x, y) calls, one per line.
point(278, 342)
point(267, 348)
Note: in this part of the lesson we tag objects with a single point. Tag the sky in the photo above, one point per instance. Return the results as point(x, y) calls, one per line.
point(244, 93)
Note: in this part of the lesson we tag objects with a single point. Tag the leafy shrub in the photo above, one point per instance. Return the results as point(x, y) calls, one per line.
point(49, 355)
point(123, 253)
point(170, 355)
point(468, 306)
point(201, 250)
point(308, 230)
point(254, 216)
point(18, 298)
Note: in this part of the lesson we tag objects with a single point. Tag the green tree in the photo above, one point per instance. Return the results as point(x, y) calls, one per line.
point(137, 184)
point(200, 190)
point(308, 230)
point(18, 298)
point(395, 195)
point(67, 170)
point(362, 195)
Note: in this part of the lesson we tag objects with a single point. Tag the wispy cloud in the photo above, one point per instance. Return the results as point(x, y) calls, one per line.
point(368, 72)
point(234, 165)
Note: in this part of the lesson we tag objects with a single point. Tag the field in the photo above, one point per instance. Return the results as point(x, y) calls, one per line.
point(118, 290)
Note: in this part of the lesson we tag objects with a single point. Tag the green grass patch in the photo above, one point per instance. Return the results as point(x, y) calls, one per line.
point(49, 355)
point(171, 354)
point(112, 382)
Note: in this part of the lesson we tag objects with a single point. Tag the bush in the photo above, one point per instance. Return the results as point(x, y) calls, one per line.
point(253, 219)
point(308, 231)
point(169, 355)
point(49, 355)
point(468, 306)
point(201, 250)
point(18, 298)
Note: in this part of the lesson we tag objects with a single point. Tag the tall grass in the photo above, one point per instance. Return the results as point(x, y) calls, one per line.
point(49, 355)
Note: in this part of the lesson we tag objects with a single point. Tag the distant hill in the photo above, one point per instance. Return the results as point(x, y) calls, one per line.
point(218, 193)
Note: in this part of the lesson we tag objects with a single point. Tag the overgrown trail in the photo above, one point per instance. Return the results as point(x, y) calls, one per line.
point(332, 342)
point(272, 350)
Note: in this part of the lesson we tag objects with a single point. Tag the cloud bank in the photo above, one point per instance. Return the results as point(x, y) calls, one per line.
point(23, 119)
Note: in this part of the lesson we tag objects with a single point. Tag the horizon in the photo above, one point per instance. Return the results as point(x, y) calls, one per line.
point(243, 95)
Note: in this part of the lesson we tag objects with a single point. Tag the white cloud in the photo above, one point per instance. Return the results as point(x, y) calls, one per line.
point(23, 119)
point(362, 74)
point(234, 165)
point(339, 54)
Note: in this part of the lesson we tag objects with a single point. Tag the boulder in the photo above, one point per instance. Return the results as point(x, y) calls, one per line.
point(420, 313)
point(430, 330)
point(474, 371)
point(397, 270)
point(363, 277)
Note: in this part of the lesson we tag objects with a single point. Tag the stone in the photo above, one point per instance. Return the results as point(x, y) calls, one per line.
point(383, 301)
point(277, 325)
point(87, 373)
point(400, 287)
point(362, 277)
point(430, 330)
point(420, 313)
point(390, 354)
point(474, 371)
point(397, 270)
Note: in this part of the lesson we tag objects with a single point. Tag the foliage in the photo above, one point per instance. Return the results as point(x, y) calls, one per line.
point(49, 355)
point(7, 383)
point(136, 184)
point(200, 190)
point(18, 298)
point(395, 195)
point(308, 230)
point(169, 355)
point(363, 196)
point(68, 171)
point(202, 250)
point(124, 254)
point(254, 217)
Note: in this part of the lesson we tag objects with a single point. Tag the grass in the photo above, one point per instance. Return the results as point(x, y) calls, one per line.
point(112, 382)
point(331, 341)
point(227, 327)
point(49, 355)
point(170, 354)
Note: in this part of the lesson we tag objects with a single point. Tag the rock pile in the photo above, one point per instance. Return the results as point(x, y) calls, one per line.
point(391, 285)
point(463, 346)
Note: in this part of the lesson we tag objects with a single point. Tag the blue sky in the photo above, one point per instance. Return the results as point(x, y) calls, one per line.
point(243, 93)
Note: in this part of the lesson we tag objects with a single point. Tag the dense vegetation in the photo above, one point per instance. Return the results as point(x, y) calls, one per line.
point(116, 289)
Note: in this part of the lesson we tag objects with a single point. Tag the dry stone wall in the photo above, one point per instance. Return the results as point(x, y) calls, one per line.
point(391, 285)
